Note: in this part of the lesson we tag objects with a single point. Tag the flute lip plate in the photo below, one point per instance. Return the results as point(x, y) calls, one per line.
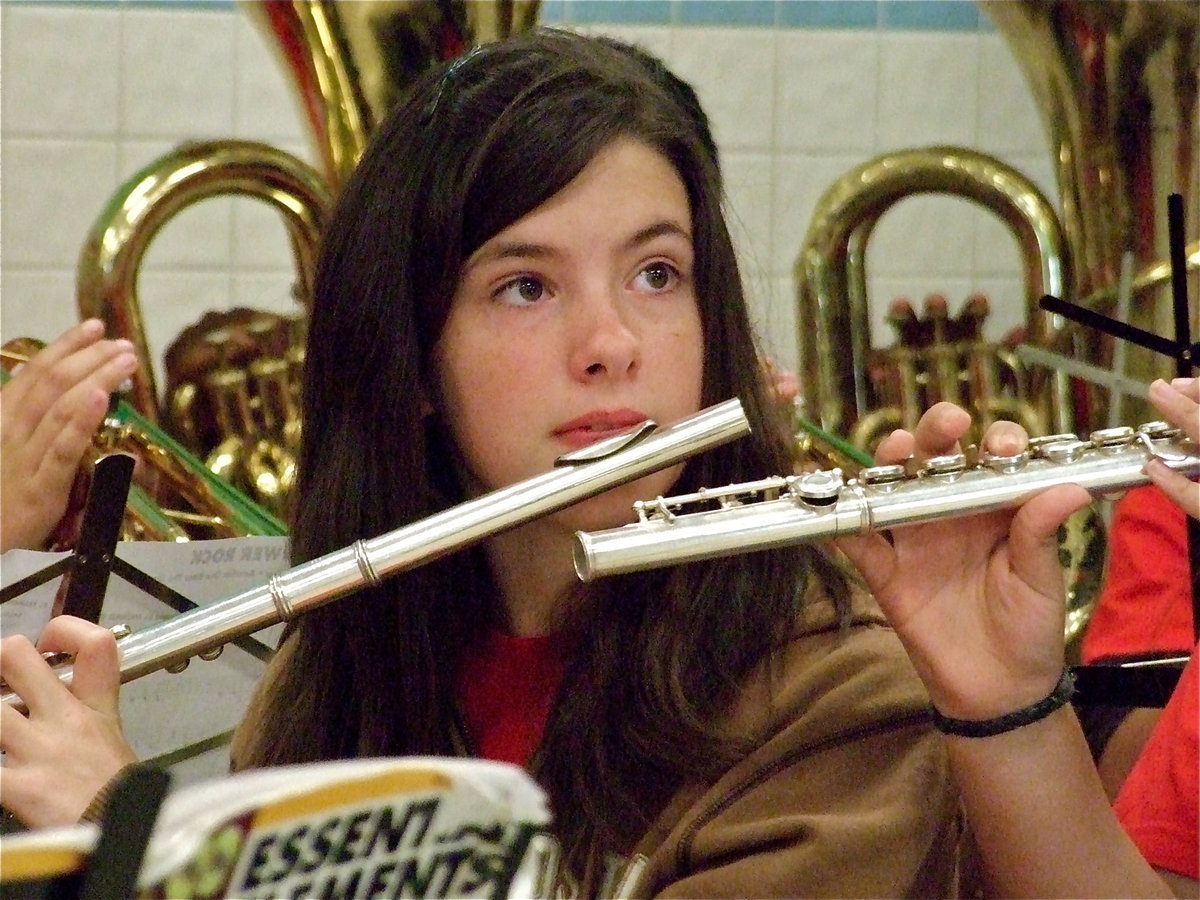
point(608, 446)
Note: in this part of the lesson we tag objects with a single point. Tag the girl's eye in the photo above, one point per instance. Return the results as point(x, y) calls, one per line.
point(658, 276)
point(520, 291)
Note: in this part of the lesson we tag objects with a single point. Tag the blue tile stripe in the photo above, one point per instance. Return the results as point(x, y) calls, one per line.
point(829, 13)
point(208, 5)
point(911, 15)
point(617, 12)
point(894, 15)
point(930, 15)
point(715, 13)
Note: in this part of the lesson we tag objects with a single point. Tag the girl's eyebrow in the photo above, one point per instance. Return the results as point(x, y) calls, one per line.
point(658, 229)
point(492, 252)
point(508, 250)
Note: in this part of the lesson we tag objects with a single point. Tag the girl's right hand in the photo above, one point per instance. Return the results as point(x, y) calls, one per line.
point(70, 743)
point(978, 602)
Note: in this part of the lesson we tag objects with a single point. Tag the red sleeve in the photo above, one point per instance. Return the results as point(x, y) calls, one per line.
point(1145, 605)
point(1158, 802)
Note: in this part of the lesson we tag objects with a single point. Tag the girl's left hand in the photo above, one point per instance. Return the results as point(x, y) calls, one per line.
point(70, 744)
point(978, 602)
point(1179, 403)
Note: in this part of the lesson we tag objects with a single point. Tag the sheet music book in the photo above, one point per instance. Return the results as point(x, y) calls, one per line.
point(412, 827)
point(177, 718)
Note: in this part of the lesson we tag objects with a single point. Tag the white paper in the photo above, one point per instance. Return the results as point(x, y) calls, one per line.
point(164, 713)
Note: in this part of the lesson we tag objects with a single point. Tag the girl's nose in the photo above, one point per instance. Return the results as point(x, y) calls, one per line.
point(607, 345)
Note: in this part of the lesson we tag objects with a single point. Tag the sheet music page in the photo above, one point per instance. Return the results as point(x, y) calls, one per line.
point(175, 716)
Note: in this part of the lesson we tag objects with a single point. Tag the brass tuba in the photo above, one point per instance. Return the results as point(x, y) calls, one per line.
point(106, 277)
point(255, 422)
point(231, 396)
point(834, 337)
point(349, 62)
point(1116, 85)
point(834, 329)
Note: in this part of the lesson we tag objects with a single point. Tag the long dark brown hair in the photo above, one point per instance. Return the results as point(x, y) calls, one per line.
point(659, 655)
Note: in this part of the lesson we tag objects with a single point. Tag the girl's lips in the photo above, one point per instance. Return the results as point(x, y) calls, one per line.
point(596, 426)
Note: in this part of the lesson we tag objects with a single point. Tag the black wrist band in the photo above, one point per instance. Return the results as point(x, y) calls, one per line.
point(96, 808)
point(1058, 697)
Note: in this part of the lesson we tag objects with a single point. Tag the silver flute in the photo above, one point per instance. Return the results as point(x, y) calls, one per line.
point(812, 506)
point(575, 477)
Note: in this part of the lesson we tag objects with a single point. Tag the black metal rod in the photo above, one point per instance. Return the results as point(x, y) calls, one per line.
point(1185, 361)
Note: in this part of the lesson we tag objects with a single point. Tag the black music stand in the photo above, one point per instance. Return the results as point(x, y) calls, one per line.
point(1148, 685)
point(87, 570)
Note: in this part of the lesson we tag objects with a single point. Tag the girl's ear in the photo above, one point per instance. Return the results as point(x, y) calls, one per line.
point(426, 408)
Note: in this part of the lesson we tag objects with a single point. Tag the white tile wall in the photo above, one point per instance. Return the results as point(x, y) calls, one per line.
point(88, 95)
point(178, 70)
point(734, 72)
point(49, 92)
point(827, 92)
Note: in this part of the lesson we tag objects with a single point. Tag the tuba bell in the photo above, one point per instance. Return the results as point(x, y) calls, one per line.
point(348, 63)
point(836, 358)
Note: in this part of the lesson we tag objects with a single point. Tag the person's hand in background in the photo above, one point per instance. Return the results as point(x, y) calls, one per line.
point(49, 412)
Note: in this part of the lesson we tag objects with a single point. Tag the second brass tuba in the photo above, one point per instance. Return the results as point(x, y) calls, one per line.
point(834, 339)
point(834, 333)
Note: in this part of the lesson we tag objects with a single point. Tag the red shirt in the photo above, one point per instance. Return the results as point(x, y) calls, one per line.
point(506, 688)
point(1145, 605)
point(1158, 802)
